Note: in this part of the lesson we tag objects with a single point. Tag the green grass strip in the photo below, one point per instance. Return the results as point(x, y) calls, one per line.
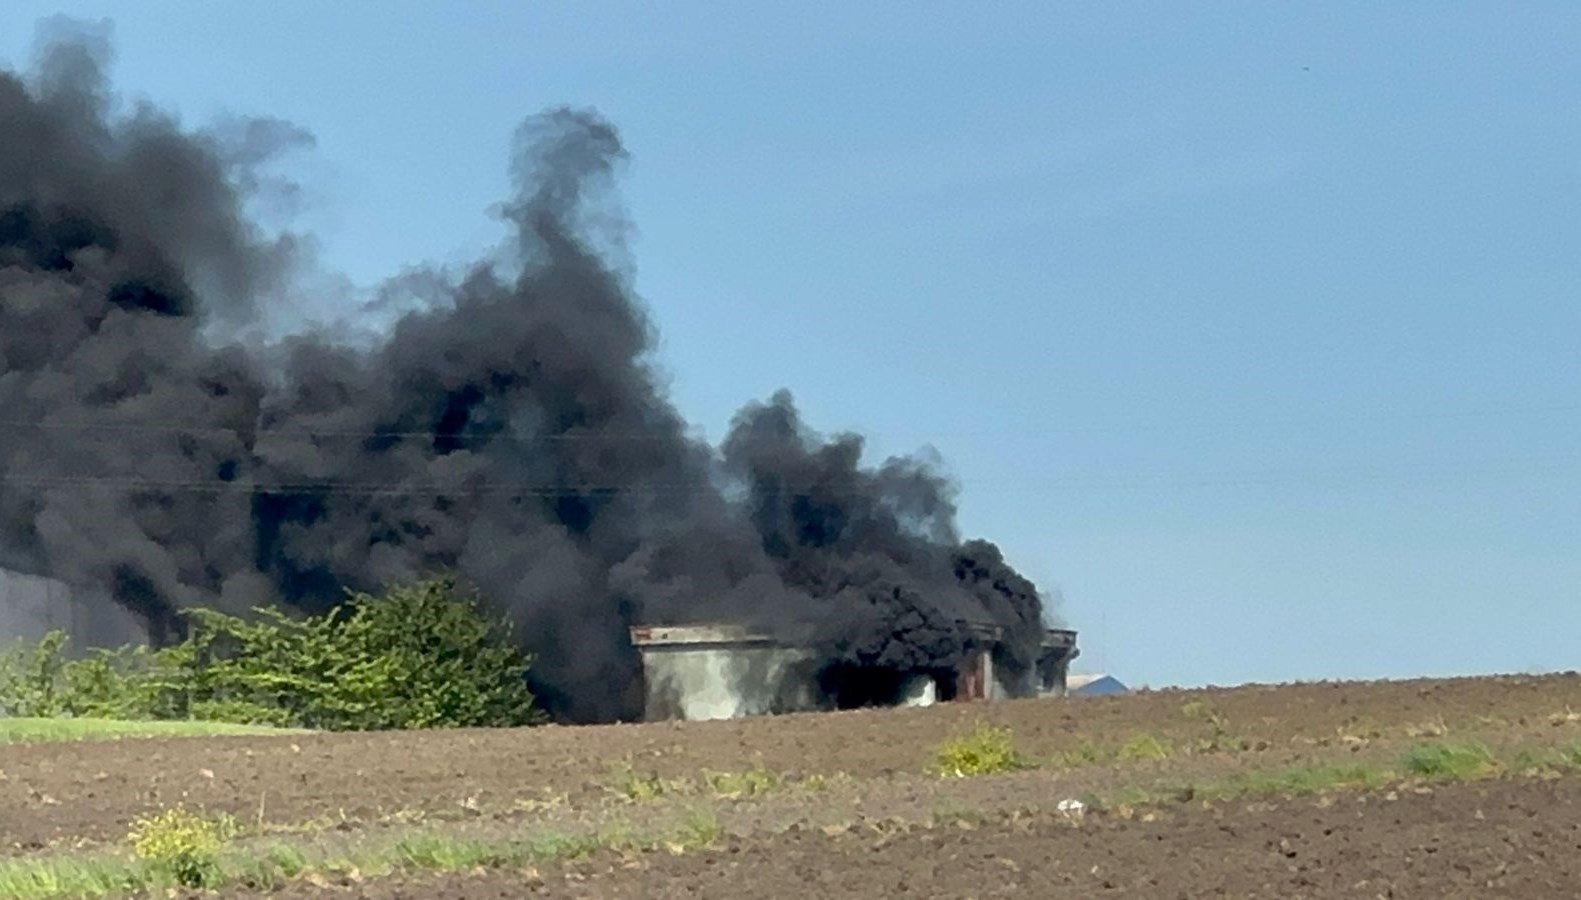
point(27, 730)
point(275, 863)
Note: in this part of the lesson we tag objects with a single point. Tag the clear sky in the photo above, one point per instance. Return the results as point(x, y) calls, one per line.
point(1254, 332)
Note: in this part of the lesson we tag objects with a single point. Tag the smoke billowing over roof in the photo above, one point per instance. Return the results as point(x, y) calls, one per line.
point(507, 425)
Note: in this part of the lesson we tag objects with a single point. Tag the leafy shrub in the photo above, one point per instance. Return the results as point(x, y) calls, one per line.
point(420, 656)
point(30, 677)
point(984, 750)
point(183, 843)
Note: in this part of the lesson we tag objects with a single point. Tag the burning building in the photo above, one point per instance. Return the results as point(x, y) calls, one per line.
point(696, 672)
point(177, 434)
point(32, 606)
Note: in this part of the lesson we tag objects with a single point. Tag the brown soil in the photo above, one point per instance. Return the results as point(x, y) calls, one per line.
point(54, 793)
point(1506, 838)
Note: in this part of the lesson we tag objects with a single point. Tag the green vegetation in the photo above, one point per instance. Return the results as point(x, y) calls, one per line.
point(1219, 737)
point(627, 782)
point(1142, 747)
point(420, 656)
point(98, 875)
point(182, 853)
point(1139, 747)
point(181, 843)
point(985, 750)
point(1451, 761)
point(746, 783)
point(1299, 782)
point(1084, 754)
point(701, 828)
point(13, 730)
point(1553, 761)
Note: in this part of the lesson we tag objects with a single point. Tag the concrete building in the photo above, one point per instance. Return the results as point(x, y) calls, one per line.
point(31, 606)
point(723, 672)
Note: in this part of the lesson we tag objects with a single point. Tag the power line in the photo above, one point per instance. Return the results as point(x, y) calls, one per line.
point(659, 433)
point(1366, 473)
point(653, 434)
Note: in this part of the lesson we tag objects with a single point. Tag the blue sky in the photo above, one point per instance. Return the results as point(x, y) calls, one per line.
point(1251, 329)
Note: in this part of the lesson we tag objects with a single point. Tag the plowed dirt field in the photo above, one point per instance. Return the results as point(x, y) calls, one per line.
point(1496, 839)
point(853, 810)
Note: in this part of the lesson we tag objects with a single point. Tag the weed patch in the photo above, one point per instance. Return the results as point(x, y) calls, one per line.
point(182, 843)
point(1302, 781)
point(1439, 759)
point(1142, 747)
point(639, 787)
point(985, 750)
point(1083, 754)
point(1219, 737)
point(627, 782)
point(746, 783)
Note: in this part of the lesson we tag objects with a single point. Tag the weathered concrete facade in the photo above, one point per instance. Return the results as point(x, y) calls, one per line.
point(31, 606)
point(723, 672)
point(720, 672)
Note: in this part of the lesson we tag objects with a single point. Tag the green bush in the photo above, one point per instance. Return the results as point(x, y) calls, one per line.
point(184, 844)
point(420, 656)
point(985, 750)
point(30, 678)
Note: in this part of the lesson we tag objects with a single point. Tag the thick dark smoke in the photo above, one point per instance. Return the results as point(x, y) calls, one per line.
point(509, 427)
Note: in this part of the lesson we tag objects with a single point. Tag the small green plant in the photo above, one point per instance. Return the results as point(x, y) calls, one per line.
point(1455, 761)
point(625, 781)
point(182, 843)
point(701, 828)
point(984, 750)
point(746, 783)
point(1142, 747)
point(1219, 737)
point(1084, 754)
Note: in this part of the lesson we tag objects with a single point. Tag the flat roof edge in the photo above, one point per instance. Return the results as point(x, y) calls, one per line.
point(661, 635)
point(658, 635)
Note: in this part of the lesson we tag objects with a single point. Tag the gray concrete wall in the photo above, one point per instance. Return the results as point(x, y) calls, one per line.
point(31, 606)
point(703, 681)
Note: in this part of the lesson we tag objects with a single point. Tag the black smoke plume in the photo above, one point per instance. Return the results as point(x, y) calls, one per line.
point(507, 425)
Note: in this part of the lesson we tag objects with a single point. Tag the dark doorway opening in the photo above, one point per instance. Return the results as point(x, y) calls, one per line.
point(850, 686)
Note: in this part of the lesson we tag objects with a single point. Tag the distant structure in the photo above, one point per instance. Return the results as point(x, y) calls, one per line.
point(32, 606)
point(697, 672)
point(1094, 685)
